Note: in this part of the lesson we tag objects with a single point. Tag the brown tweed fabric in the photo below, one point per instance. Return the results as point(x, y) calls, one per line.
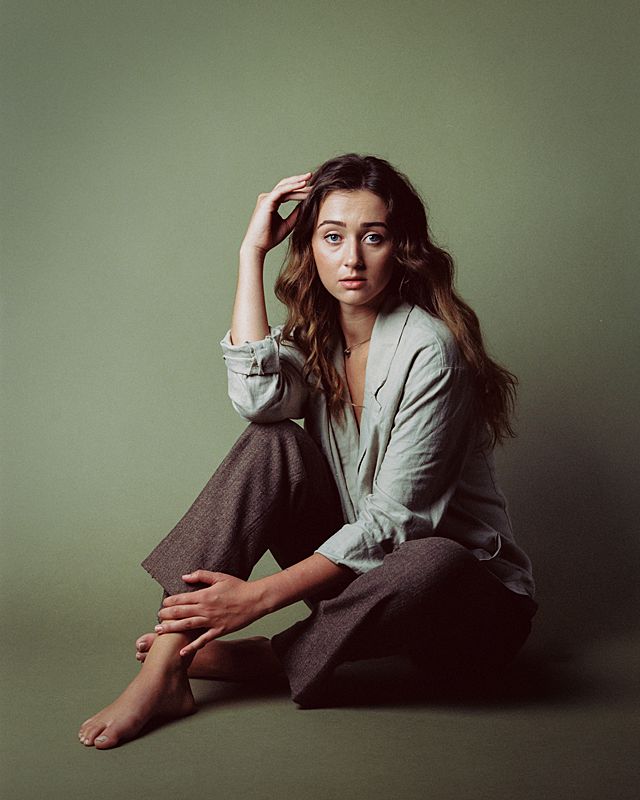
point(430, 598)
point(274, 490)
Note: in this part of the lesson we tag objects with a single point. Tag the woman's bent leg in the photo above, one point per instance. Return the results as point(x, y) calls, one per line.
point(274, 490)
point(431, 599)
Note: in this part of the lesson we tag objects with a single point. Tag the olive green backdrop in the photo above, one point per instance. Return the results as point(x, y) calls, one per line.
point(137, 136)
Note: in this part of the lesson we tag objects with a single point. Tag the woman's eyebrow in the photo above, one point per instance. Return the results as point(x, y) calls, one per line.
point(364, 224)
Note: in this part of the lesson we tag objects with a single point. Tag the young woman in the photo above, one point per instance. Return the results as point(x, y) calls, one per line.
point(384, 512)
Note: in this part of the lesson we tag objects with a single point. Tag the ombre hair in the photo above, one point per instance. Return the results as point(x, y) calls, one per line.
point(423, 276)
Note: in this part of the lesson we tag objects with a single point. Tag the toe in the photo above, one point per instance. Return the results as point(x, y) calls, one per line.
point(92, 732)
point(104, 742)
point(84, 728)
point(143, 644)
point(88, 737)
point(111, 735)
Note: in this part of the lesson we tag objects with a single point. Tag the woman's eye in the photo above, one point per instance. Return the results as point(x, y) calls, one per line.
point(372, 238)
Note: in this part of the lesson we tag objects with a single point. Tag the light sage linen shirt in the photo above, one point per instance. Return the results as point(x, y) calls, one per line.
point(420, 465)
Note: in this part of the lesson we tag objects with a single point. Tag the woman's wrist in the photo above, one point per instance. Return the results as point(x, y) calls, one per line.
point(314, 577)
point(252, 255)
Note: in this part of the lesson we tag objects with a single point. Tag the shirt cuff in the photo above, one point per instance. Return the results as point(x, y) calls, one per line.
point(253, 358)
point(349, 546)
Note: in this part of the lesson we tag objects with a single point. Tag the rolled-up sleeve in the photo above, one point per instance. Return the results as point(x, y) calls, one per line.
point(417, 476)
point(265, 379)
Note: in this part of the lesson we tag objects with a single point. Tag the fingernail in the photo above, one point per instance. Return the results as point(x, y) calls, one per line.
point(158, 628)
point(102, 738)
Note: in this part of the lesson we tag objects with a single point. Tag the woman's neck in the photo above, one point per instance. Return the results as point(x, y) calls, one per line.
point(357, 323)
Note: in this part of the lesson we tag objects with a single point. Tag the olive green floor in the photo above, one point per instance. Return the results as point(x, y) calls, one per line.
point(563, 725)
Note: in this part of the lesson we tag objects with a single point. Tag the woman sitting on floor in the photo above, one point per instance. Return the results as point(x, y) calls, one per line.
point(384, 512)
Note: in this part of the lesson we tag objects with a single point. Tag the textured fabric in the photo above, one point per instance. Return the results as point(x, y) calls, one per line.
point(424, 466)
point(274, 491)
point(430, 598)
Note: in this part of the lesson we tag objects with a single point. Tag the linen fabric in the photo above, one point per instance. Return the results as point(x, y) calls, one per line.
point(424, 465)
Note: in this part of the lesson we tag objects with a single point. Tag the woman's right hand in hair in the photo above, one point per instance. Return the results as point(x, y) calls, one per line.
point(266, 227)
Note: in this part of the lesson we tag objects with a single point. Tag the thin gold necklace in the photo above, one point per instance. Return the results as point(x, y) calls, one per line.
point(347, 352)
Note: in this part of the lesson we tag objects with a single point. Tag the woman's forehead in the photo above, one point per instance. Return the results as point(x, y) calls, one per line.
point(354, 204)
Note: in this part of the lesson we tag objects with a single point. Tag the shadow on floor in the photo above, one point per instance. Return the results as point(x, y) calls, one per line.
point(397, 682)
point(533, 678)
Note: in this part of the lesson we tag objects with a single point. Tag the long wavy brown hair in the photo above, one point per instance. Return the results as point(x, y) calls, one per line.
point(423, 276)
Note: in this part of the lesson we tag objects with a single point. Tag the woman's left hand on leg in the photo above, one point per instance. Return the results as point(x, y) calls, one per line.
point(227, 604)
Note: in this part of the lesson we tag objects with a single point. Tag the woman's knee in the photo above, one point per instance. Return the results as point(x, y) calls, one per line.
point(268, 431)
point(430, 561)
point(262, 439)
point(438, 547)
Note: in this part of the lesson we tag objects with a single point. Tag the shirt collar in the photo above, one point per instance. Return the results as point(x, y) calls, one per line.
point(385, 336)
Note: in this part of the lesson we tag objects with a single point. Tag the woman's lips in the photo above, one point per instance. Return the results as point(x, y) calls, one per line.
point(353, 283)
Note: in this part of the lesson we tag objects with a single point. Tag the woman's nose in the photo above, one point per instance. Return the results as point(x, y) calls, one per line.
point(353, 256)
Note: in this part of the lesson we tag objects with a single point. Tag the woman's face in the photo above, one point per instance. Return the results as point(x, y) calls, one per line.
point(353, 248)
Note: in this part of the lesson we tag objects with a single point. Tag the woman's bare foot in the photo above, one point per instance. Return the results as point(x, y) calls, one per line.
point(160, 691)
point(228, 660)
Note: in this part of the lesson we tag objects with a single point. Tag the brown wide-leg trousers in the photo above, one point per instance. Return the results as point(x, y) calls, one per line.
point(430, 599)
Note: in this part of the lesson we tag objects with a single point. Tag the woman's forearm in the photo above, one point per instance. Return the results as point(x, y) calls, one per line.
point(313, 578)
point(266, 230)
point(249, 322)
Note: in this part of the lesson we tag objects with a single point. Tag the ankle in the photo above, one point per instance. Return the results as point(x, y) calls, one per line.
point(164, 653)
